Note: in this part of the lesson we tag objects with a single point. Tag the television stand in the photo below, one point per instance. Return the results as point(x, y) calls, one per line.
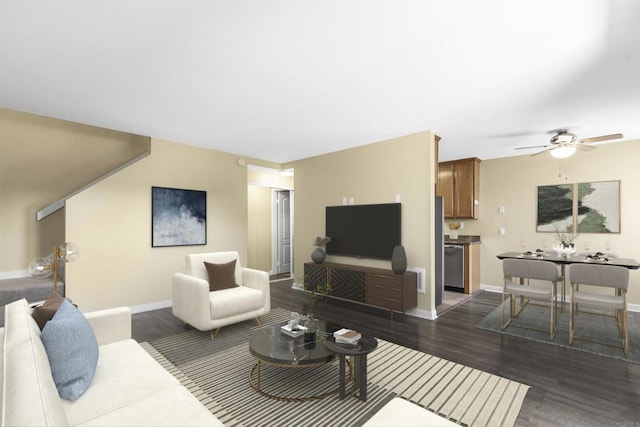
point(378, 287)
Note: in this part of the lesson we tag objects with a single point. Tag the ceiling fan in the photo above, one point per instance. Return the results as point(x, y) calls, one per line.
point(564, 143)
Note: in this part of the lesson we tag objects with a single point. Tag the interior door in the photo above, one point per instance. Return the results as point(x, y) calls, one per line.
point(284, 232)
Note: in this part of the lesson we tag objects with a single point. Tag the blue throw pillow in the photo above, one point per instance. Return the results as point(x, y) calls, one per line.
point(72, 350)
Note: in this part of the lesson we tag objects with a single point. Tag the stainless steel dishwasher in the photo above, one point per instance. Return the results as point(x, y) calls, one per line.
point(454, 268)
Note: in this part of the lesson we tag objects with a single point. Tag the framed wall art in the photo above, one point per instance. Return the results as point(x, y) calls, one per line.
point(598, 209)
point(179, 217)
point(555, 208)
point(586, 207)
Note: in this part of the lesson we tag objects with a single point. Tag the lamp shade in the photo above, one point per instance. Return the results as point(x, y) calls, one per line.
point(563, 151)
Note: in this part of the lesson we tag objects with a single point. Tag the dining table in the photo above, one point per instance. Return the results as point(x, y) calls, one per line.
point(563, 261)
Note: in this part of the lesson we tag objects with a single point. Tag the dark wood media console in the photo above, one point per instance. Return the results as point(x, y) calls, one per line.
point(374, 286)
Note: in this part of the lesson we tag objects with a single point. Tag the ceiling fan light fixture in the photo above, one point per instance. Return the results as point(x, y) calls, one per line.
point(563, 152)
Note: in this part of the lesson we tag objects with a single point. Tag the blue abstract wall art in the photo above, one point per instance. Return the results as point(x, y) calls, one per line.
point(179, 217)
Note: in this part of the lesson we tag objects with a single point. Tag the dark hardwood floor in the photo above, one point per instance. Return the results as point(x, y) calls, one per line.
point(568, 387)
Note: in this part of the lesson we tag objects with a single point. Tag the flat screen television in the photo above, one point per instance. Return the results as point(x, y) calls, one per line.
point(364, 231)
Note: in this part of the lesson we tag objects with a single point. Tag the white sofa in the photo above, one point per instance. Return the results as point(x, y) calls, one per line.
point(401, 412)
point(129, 387)
point(195, 304)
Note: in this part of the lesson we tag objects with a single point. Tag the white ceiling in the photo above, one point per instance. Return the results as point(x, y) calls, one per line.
point(285, 80)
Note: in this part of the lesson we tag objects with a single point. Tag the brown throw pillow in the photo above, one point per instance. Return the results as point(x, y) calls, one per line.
point(42, 314)
point(221, 276)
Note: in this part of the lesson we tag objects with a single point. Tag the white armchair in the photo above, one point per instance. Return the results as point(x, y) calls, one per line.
point(207, 310)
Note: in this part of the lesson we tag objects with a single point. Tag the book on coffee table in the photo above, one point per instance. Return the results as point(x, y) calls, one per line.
point(346, 336)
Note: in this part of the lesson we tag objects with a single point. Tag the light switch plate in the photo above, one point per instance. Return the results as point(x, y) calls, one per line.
point(422, 278)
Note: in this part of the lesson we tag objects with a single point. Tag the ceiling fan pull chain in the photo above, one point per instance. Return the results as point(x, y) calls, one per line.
point(559, 168)
point(566, 177)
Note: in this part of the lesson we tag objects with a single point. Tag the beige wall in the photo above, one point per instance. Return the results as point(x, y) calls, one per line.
point(373, 173)
point(512, 182)
point(111, 223)
point(41, 161)
point(259, 211)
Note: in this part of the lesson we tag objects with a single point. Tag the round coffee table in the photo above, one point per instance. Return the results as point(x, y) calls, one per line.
point(270, 345)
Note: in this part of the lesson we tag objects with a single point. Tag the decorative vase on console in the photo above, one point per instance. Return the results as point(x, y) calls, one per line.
point(399, 260)
point(318, 255)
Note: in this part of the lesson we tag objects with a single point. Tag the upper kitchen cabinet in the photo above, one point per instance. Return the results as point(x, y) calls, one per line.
point(459, 185)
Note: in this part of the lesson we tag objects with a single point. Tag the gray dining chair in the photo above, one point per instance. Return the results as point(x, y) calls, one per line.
point(526, 270)
point(586, 254)
point(609, 276)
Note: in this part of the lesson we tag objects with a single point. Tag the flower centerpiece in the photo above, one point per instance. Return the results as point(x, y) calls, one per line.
point(565, 245)
point(318, 255)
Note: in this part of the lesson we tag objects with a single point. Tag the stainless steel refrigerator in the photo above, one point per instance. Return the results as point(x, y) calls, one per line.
point(439, 248)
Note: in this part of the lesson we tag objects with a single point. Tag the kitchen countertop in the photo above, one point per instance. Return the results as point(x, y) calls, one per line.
point(462, 240)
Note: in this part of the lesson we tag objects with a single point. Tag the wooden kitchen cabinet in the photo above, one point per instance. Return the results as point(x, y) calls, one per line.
point(471, 268)
point(459, 185)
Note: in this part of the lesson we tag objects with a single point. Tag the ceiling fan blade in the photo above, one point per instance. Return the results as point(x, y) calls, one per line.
point(543, 151)
point(533, 146)
point(601, 138)
point(582, 147)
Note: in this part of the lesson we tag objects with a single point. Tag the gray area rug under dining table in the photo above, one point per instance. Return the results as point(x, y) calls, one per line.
point(589, 327)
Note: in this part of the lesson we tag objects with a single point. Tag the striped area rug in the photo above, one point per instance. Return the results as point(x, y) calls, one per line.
point(217, 373)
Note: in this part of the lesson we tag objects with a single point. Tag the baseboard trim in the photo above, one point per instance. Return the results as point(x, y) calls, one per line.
point(18, 274)
point(151, 306)
point(491, 288)
point(423, 314)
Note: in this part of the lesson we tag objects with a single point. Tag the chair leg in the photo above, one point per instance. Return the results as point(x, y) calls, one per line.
point(571, 314)
point(553, 307)
point(523, 302)
point(505, 324)
point(564, 289)
point(623, 328)
point(552, 326)
point(214, 334)
point(259, 321)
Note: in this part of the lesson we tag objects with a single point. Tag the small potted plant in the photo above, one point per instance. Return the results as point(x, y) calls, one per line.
point(318, 255)
point(313, 294)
